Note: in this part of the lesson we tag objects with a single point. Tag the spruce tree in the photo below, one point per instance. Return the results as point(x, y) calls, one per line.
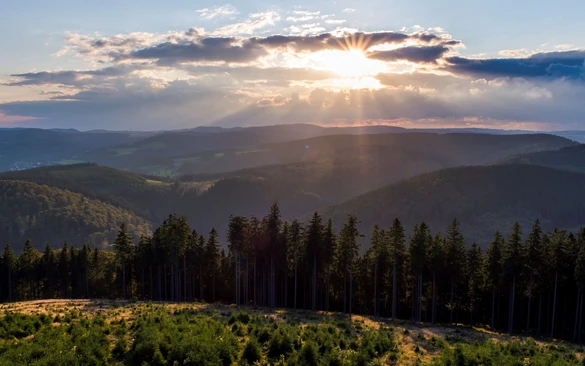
point(455, 260)
point(513, 263)
point(397, 242)
point(493, 270)
point(124, 251)
point(534, 263)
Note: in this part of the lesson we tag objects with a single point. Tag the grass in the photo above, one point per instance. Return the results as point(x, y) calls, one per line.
point(134, 333)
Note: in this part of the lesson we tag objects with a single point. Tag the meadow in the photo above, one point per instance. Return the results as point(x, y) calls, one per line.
point(84, 332)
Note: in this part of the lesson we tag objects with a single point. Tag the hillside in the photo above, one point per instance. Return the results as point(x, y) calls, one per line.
point(445, 149)
point(117, 187)
point(483, 198)
point(110, 333)
point(30, 147)
point(569, 158)
point(50, 215)
point(332, 169)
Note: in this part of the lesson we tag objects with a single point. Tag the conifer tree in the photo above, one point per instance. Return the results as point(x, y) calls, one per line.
point(10, 262)
point(513, 263)
point(212, 259)
point(534, 263)
point(493, 270)
point(124, 251)
point(455, 259)
point(474, 276)
point(397, 244)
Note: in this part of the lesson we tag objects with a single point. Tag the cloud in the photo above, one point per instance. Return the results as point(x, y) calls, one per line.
point(559, 64)
point(330, 41)
point(14, 119)
point(73, 78)
point(519, 103)
point(222, 49)
point(271, 74)
point(349, 10)
point(255, 22)
point(178, 105)
point(418, 54)
point(217, 12)
point(335, 21)
point(247, 73)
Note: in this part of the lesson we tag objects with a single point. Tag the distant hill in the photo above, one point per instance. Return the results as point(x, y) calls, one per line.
point(30, 147)
point(569, 158)
point(167, 152)
point(117, 187)
point(50, 215)
point(445, 149)
point(483, 198)
point(317, 172)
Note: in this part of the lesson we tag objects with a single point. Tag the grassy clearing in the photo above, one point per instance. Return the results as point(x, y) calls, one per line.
point(80, 332)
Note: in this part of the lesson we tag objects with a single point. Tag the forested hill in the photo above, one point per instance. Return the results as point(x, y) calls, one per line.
point(120, 188)
point(484, 198)
point(569, 158)
point(50, 215)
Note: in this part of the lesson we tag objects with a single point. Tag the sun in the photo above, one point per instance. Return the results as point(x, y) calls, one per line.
point(351, 63)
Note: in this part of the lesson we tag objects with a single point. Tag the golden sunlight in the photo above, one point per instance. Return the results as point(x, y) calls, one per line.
point(351, 63)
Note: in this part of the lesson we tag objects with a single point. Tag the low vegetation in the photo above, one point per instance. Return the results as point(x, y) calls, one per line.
point(79, 332)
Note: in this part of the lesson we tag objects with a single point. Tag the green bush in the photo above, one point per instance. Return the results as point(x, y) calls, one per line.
point(252, 351)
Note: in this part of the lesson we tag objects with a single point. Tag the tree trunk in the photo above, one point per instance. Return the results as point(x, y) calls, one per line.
point(151, 293)
point(350, 286)
point(201, 295)
point(376, 288)
point(173, 283)
point(185, 276)
point(286, 287)
point(580, 318)
point(539, 312)
point(159, 289)
point(529, 300)
point(420, 297)
point(247, 282)
point(433, 312)
point(451, 302)
point(296, 276)
point(552, 328)
point(314, 285)
point(493, 306)
point(124, 280)
point(576, 314)
point(237, 284)
point(142, 284)
point(394, 291)
point(511, 318)
point(344, 291)
point(327, 292)
point(255, 285)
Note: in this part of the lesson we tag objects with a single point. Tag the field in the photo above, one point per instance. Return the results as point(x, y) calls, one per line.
point(83, 332)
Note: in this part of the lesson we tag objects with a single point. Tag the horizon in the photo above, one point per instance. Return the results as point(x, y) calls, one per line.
point(148, 66)
point(409, 129)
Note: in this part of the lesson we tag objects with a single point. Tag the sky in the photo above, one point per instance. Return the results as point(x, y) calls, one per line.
point(162, 65)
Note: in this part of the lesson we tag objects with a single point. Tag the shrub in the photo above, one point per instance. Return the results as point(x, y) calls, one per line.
point(252, 351)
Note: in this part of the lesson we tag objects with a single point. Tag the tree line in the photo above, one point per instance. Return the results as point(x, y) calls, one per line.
point(531, 284)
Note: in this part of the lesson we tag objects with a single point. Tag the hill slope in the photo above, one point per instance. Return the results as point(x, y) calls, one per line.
point(569, 158)
point(29, 147)
point(50, 215)
point(483, 198)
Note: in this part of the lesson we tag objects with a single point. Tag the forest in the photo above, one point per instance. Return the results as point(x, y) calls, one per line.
point(528, 282)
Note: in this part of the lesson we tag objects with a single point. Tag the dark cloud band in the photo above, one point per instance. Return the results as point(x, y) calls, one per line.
point(568, 64)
